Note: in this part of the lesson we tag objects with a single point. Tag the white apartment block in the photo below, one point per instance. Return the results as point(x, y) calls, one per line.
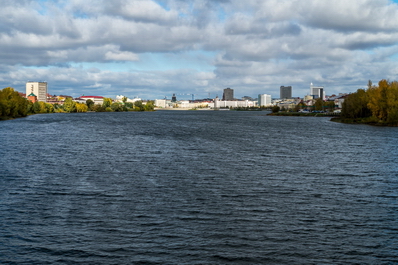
point(37, 88)
point(264, 100)
point(161, 103)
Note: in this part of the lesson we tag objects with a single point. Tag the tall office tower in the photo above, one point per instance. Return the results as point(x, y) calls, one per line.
point(174, 98)
point(316, 92)
point(228, 94)
point(264, 100)
point(37, 88)
point(286, 92)
point(321, 93)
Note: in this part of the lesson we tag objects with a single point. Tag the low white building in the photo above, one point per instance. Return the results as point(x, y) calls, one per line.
point(161, 103)
point(233, 104)
point(97, 99)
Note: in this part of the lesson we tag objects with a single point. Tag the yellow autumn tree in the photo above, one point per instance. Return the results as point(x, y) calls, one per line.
point(80, 107)
point(392, 103)
point(378, 100)
point(107, 102)
point(383, 102)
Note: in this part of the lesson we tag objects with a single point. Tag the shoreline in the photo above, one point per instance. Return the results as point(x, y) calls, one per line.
point(310, 114)
point(364, 121)
point(180, 109)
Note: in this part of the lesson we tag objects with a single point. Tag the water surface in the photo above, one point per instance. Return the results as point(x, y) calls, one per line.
point(196, 187)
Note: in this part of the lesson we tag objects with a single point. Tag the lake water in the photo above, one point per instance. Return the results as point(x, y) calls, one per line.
point(196, 187)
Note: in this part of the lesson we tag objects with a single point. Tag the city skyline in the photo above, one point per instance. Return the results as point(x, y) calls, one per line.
point(153, 49)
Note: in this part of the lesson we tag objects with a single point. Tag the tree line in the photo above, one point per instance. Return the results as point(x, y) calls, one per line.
point(12, 105)
point(107, 106)
point(374, 105)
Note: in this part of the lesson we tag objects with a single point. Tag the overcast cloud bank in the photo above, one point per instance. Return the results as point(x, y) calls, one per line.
point(152, 49)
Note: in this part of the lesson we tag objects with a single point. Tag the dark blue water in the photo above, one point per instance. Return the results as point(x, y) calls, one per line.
point(196, 187)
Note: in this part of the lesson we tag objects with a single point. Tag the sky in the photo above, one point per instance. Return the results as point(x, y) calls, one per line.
point(152, 49)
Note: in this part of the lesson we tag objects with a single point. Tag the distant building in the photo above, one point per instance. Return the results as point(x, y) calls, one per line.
point(119, 98)
point(174, 98)
point(228, 94)
point(248, 98)
point(161, 103)
point(285, 92)
point(32, 97)
point(96, 99)
point(232, 103)
point(39, 89)
point(317, 92)
point(264, 100)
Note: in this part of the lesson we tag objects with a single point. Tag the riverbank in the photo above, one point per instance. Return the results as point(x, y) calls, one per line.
point(182, 109)
point(305, 114)
point(367, 121)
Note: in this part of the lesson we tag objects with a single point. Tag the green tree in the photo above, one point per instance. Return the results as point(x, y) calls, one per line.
point(116, 107)
point(36, 107)
point(138, 106)
point(107, 102)
point(355, 105)
point(49, 108)
point(150, 105)
point(43, 107)
point(275, 109)
point(90, 104)
point(98, 108)
point(129, 105)
point(69, 105)
point(329, 105)
point(30, 108)
point(318, 104)
point(12, 105)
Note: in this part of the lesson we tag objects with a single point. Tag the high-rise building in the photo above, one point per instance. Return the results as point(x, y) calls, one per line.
point(174, 98)
point(286, 92)
point(317, 92)
point(39, 89)
point(264, 100)
point(228, 94)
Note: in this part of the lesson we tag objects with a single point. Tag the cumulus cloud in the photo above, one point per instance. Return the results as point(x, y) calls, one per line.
point(257, 45)
point(121, 56)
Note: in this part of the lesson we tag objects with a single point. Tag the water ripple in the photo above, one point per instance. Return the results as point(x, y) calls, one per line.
point(196, 188)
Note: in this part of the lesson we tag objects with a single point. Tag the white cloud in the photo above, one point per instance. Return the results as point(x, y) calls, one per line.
point(121, 56)
point(257, 45)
